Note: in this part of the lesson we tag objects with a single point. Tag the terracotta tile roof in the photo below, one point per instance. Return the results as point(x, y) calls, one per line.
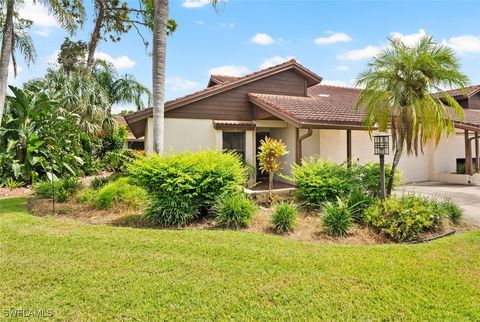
point(220, 79)
point(324, 104)
point(457, 93)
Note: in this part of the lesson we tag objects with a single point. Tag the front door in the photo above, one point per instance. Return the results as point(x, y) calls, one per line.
point(260, 136)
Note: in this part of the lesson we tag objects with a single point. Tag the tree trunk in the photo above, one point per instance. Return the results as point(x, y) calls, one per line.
point(158, 72)
point(396, 160)
point(95, 36)
point(270, 186)
point(5, 54)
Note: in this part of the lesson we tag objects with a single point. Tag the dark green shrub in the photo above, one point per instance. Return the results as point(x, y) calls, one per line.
point(358, 201)
point(99, 182)
point(118, 160)
point(120, 191)
point(403, 218)
point(284, 217)
point(318, 180)
point(189, 179)
point(451, 210)
point(336, 218)
point(64, 188)
point(172, 210)
point(234, 211)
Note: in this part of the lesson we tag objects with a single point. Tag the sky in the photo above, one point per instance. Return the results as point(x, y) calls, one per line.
point(334, 39)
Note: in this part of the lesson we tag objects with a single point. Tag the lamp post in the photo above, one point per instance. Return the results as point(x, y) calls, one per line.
point(381, 147)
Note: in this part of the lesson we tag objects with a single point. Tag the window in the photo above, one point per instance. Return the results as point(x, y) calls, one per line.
point(234, 141)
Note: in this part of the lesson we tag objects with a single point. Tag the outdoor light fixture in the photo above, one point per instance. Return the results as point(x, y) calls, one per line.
point(381, 147)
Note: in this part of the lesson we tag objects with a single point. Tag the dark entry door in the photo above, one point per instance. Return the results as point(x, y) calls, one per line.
point(260, 136)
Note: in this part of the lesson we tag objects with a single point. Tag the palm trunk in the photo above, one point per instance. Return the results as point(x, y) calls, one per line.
point(396, 159)
point(158, 72)
point(5, 55)
point(95, 37)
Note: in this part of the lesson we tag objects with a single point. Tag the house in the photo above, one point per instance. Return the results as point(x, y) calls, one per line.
point(133, 142)
point(288, 102)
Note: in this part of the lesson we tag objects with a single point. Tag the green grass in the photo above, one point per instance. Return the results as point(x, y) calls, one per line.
point(86, 272)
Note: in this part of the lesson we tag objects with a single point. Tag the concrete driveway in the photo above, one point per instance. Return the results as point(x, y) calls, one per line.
point(468, 197)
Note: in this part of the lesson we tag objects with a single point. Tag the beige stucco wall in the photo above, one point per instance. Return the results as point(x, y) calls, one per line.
point(287, 135)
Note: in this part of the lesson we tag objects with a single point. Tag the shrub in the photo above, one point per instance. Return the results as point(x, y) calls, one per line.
point(172, 210)
point(284, 217)
point(99, 182)
point(118, 160)
point(234, 211)
point(319, 180)
point(403, 218)
point(358, 201)
point(337, 218)
point(12, 184)
point(451, 210)
point(119, 191)
point(64, 188)
point(189, 179)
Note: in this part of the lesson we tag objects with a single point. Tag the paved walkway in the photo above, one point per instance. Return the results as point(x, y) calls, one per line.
point(468, 197)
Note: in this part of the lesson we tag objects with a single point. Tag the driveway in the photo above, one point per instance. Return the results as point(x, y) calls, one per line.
point(468, 197)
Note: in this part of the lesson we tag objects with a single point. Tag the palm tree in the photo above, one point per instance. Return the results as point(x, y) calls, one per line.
point(70, 14)
point(396, 95)
point(161, 27)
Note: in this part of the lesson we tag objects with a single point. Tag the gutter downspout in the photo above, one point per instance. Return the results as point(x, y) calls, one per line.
point(298, 154)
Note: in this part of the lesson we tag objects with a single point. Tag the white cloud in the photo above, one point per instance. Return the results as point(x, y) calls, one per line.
point(42, 32)
point(178, 83)
point(120, 62)
point(199, 22)
point(357, 54)
point(409, 39)
point(333, 38)
point(464, 43)
point(342, 68)
point(227, 25)
point(334, 82)
point(262, 39)
point(52, 58)
point(38, 13)
point(275, 60)
point(195, 3)
point(229, 70)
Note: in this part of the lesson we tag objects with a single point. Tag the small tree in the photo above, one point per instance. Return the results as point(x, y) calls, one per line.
point(271, 151)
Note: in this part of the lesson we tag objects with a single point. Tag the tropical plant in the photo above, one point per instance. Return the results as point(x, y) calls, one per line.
point(451, 210)
point(337, 217)
point(12, 184)
point(396, 94)
point(269, 155)
point(284, 217)
point(234, 211)
point(38, 137)
point(69, 14)
point(121, 191)
point(61, 189)
point(172, 209)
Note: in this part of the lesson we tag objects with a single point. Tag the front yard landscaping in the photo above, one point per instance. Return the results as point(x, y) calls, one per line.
point(99, 272)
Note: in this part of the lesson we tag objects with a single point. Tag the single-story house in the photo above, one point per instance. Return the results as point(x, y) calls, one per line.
point(288, 102)
point(132, 142)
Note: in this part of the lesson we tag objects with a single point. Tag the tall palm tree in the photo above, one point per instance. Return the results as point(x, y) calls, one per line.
point(161, 29)
point(396, 95)
point(70, 14)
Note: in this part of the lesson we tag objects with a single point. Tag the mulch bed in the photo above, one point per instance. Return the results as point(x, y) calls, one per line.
point(17, 192)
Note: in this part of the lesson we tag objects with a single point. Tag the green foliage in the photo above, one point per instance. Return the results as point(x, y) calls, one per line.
point(11, 184)
point(197, 178)
point(117, 160)
point(37, 137)
point(284, 217)
point(404, 218)
point(319, 180)
point(234, 211)
point(72, 55)
point(99, 182)
point(337, 217)
point(450, 209)
point(115, 140)
point(172, 210)
point(119, 191)
point(358, 201)
point(64, 188)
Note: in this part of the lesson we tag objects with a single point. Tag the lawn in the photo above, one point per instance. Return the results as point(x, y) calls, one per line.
point(82, 271)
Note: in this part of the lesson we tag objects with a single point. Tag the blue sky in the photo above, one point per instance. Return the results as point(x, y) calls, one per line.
point(333, 39)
